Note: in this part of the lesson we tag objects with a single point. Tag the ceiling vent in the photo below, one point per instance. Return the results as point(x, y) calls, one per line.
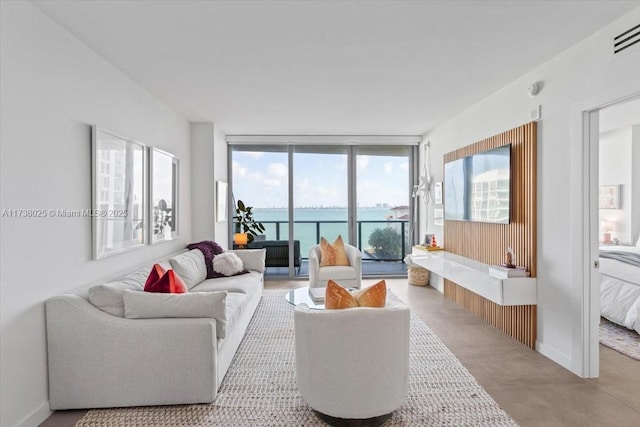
point(623, 42)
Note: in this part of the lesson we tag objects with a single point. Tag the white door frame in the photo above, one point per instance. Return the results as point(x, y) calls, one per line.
point(585, 122)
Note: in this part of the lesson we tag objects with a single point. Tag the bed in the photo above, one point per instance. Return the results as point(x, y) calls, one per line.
point(620, 285)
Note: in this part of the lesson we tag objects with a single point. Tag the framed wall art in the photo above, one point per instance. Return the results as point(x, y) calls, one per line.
point(609, 197)
point(118, 193)
point(437, 193)
point(163, 195)
point(438, 216)
point(221, 201)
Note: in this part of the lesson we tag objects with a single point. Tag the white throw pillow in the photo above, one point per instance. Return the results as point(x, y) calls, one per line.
point(252, 259)
point(227, 263)
point(154, 305)
point(190, 266)
point(638, 242)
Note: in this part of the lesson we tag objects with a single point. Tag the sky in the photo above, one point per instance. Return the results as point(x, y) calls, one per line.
point(320, 180)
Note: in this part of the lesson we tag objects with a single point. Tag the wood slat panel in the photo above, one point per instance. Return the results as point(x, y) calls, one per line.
point(487, 242)
point(517, 321)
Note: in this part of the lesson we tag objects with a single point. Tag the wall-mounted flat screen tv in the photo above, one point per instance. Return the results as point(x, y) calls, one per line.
point(478, 187)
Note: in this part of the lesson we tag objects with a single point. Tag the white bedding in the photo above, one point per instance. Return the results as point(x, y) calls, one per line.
point(620, 289)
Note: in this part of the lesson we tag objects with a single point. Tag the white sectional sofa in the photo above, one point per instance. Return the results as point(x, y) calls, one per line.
point(100, 356)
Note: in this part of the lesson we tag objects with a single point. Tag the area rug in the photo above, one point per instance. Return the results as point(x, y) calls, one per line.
point(620, 339)
point(260, 387)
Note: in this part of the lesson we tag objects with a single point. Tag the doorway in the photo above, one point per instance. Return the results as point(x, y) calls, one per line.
point(612, 139)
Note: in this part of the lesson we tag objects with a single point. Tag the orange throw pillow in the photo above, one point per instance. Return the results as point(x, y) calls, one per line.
point(337, 297)
point(169, 283)
point(332, 253)
point(373, 296)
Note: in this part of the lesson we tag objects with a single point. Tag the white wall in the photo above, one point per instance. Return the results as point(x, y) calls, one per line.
point(581, 78)
point(615, 169)
point(203, 194)
point(220, 170)
point(635, 179)
point(53, 88)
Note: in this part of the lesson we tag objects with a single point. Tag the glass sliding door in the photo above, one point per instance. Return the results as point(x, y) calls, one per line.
point(320, 194)
point(260, 178)
point(383, 177)
point(303, 192)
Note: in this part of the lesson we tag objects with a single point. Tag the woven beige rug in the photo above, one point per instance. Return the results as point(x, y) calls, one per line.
point(260, 388)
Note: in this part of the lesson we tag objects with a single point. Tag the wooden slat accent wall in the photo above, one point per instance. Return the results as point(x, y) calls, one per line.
point(517, 321)
point(487, 242)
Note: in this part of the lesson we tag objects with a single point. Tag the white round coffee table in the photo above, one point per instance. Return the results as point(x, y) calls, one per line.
point(301, 295)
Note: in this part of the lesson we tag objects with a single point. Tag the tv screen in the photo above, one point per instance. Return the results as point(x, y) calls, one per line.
point(478, 187)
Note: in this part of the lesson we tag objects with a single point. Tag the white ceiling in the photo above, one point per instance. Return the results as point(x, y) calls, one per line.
point(328, 67)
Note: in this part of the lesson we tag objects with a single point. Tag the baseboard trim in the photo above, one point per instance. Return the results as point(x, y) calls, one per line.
point(551, 353)
point(37, 416)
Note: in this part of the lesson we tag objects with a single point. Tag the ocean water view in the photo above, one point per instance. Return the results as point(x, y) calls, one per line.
point(311, 223)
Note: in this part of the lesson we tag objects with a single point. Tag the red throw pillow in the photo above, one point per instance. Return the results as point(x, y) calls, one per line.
point(156, 273)
point(169, 283)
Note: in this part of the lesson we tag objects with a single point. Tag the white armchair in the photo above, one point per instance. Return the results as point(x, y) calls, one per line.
point(352, 363)
point(348, 276)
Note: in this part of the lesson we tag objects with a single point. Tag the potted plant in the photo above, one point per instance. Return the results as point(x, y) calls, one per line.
point(245, 222)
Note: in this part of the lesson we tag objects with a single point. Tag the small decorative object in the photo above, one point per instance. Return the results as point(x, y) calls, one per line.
point(427, 239)
point(418, 276)
point(508, 258)
point(240, 239)
point(245, 222)
point(433, 241)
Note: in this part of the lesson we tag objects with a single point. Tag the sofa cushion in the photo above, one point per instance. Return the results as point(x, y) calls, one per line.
point(227, 264)
point(245, 283)
point(108, 296)
point(190, 266)
point(145, 305)
point(336, 273)
point(170, 283)
point(235, 308)
point(252, 259)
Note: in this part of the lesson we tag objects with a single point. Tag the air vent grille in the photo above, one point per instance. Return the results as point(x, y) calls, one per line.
point(625, 40)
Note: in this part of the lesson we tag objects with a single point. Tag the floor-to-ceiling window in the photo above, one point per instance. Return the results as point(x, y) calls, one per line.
point(383, 207)
point(360, 192)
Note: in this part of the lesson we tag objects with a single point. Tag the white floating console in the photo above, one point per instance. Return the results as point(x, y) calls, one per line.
point(474, 276)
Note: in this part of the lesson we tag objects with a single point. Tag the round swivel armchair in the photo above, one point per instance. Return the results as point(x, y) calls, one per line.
point(352, 364)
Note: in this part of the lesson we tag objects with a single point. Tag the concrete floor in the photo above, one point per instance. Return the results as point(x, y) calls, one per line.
point(532, 389)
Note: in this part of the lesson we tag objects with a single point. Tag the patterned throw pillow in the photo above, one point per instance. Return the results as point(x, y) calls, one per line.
point(332, 253)
point(337, 297)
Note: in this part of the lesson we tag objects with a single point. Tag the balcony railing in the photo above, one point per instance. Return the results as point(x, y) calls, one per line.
point(309, 232)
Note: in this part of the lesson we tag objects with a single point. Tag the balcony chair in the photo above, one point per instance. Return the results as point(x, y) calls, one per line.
point(352, 364)
point(348, 276)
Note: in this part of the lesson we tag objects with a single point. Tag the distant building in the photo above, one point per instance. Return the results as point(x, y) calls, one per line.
point(399, 213)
